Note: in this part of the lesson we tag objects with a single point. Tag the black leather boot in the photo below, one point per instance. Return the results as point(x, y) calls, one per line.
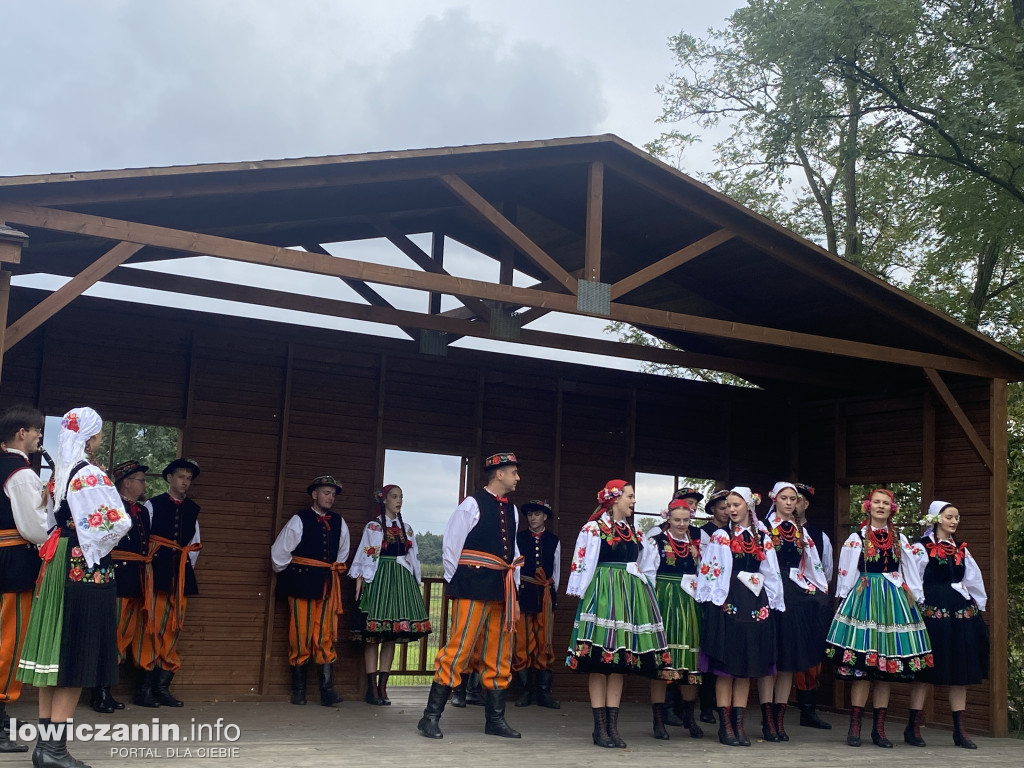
point(853, 738)
point(102, 701)
point(526, 680)
point(298, 684)
point(726, 733)
point(372, 697)
point(768, 731)
point(878, 736)
point(429, 724)
point(779, 712)
point(689, 722)
point(806, 700)
point(7, 743)
point(144, 696)
point(40, 742)
point(162, 690)
point(960, 737)
point(475, 690)
point(657, 715)
point(382, 688)
point(600, 734)
point(912, 733)
point(54, 754)
point(459, 692)
point(612, 714)
point(494, 715)
point(544, 697)
point(738, 726)
point(672, 701)
point(706, 691)
point(328, 696)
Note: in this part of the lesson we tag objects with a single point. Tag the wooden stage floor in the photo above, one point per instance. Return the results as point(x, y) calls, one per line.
point(278, 734)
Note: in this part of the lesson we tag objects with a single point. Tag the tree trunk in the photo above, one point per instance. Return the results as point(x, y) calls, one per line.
point(851, 233)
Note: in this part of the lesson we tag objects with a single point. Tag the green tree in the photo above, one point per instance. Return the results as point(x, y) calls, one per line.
point(429, 546)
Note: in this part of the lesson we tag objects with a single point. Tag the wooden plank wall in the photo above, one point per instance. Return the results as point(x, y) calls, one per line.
point(266, 407)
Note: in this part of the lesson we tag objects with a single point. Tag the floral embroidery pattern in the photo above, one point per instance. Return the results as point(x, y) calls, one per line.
point(90, 481)
point(372, 552)
point(760, 615)
point(79, 571)
point(729, 608)
point(104, 518)
point(401, 626)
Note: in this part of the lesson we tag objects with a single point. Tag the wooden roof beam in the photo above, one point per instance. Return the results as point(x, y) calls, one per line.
point(595, 223)
point(67, 293)
point(254, 253)
point(667, 264)
point(947, 397)
point(509, 231)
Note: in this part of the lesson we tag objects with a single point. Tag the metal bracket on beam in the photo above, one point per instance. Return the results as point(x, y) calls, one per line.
point(594, 298)
point(434, 343)
point(504, 324)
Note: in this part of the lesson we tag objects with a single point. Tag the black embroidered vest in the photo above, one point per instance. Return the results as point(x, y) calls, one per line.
point(488, 535)
point(318, 542)
point(537, 552)
point(19, 565)
point(178, 523)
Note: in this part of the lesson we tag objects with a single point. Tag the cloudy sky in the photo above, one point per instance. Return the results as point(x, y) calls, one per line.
point(121, 83)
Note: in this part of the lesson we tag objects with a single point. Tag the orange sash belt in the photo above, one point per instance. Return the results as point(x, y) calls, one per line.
point(46, 553)
point(155, 543)
point(476, 559)
point(147, 577)
point(334, 606)
point(11, 537)
point(541, 580)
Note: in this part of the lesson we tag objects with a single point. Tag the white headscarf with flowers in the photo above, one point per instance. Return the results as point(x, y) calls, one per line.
point(77, 426)
point(931, 519)
point(752, 500)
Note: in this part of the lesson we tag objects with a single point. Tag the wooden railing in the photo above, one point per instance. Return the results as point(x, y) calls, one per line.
point(417, 658)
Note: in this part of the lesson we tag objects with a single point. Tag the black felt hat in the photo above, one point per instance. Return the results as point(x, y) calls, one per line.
point(540, 504)
point(182, 463)
point(125, 468)
point(321, 481)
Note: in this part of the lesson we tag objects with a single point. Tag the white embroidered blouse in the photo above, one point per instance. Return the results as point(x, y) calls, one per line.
point(588, 551)
point(849, 567)
point(715, 572)
point(364, 564)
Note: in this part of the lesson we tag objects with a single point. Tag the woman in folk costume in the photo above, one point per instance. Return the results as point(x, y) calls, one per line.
point(387, 573)
point(954, 597)
point(618, 628)
point(740, 583)
point(671, 559)
point(71, 640)
point(877, 633)
point(802, 627)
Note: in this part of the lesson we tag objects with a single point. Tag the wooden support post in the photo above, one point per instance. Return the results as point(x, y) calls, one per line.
point(595, 221)
point(5, 297)
point(961, 418)
point(437, 254)
point(64, 295)
point(997, 581)
point(507, 254)
point(677, 259)
point(840, 517)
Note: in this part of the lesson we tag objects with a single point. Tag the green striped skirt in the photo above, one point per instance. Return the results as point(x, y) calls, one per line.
point(878, 633)
point(391, 608)
point(40, 653)
point(681, 617)
point(618, 627)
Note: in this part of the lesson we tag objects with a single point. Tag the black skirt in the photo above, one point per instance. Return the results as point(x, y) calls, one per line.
point(88, 641)
point(738, 638)
point(960, 642)
point(802, 627)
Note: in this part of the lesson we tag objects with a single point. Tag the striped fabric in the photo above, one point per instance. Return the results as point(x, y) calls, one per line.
point(681, 617)
point(473, 621)
point(311, 627)
point(40, 654)
point(130, 621)
point(156, 644)
point(14, 610)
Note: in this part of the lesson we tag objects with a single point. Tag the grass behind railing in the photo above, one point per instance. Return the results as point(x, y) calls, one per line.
point(432, 577)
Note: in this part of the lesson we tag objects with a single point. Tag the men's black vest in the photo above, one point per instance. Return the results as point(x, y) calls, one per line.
point(537, 552)
point(818, 537)
point(129, 574)
point(494, 533)
point(709, 528)
point(19, 565)
point(318, 542)
point(176, 522)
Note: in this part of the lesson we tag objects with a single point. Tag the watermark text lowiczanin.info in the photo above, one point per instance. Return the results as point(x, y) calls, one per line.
point(153, 732)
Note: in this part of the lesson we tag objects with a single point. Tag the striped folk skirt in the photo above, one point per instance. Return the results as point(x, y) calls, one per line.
point(618, 627)
point(391, 608)
point(681, 616)
point(878, 634)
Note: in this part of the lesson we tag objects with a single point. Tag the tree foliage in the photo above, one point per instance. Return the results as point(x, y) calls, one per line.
point(429, 546)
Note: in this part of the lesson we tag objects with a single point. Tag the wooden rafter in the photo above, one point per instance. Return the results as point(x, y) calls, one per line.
point(947, 397)
point(68, 292)
point(595, 221)
point(5, 296)
point(199, 244)
point(212, 289)
point(677, 259)
point(509, 231)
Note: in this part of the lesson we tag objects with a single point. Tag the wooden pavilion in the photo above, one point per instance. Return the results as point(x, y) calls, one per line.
point(857, 382)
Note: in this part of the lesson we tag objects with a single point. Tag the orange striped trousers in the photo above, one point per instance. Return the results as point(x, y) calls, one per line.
point(311, 626)
point(14, 608)
point(131, 622)
point(808, 679)
point(159, 647)
point(473, 621)
point(532, 647)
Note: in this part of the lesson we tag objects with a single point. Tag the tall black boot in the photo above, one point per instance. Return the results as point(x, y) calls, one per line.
point(526, 680)
point(768, 724)
point(912, 733)
point(807, 701)
point(144, 696)
point(382, 688)
point(494, 715)
point(102, 701)
point(853, 738)
point(738, 714)
point(40, 742)
point(475, 689)
point(328, 696)
point(658, 715)
point(372, 697)
point(706, 691)
point(54, 753)
point(429, 724)
point(459, 692)
point(672, 700)
point(544, 697)
point(726, 733)
point(162, 690)
point(689, 722)
point(600, 734)
point(7, 742)
point(612, 714)
point(779, 712)
point(298, 684)
point(960, 737)
point(878, 736)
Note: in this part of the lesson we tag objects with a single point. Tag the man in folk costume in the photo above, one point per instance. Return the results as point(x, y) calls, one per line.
point(806, 682)
point(174, 544)
point(23, 526)
point(481, 560)
point(538, 593)
point(131, 558)
point(309, 558)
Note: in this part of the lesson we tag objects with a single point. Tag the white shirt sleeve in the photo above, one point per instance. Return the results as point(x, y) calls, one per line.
point(556, 577)
point(462, 521)
point(849, 565)
point(715, 570)
point(649, 559)
point(515, 547)
point(772, 575)
point(193, 556)
point(25, 490)
point(584, 559)
point(364, 564)
point(344, 542)
point(285, 543)
point(913, 556)
point(98, 513)
point(826, 557)
point(973, 581)
point(413, 554)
